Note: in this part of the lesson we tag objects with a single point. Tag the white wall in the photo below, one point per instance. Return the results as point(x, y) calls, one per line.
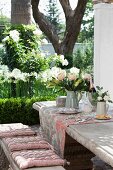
point(103, 46)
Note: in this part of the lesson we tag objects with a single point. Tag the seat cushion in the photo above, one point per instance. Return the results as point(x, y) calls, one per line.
point(15, 129)
point(36, 158)
point(26, 142)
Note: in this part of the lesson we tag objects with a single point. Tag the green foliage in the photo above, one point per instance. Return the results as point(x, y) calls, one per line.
point(16, 83)
point(83, 59)
point(28, 39)
point(21, 44)
point(87, 27)
point(34, 62)
point(13, 53)
point(16, 110)
point(22, 49)
point(3, 22)
point(53, 15)
point(26, 85)
point(2, 52)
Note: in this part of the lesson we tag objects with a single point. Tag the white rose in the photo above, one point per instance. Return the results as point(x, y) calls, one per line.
point(61, 75)
point(100, 93)
point(5, 39)
point(16, 73)
point(74, 70)
point(42, 55)
point(99, 98)
point(61, 57)
point(14, 34)
point(65, 63)
point(55, 54)
point(55, 71)
point(46, 75)
point(71, 76)
point(106, 98)
point(1, 72)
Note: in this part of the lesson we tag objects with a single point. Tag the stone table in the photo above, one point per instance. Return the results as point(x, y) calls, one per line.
point(95, 137)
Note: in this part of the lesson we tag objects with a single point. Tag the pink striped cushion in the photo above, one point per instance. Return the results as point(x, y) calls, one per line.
point(26, 142)
point(16, 129)
point(36, 158)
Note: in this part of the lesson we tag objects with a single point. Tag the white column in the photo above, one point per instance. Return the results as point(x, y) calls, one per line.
point(103, 46)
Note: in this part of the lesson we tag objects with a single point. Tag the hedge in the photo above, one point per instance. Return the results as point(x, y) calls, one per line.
point(19, 110)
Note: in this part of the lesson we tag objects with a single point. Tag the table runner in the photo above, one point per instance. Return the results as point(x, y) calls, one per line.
point(54, 124)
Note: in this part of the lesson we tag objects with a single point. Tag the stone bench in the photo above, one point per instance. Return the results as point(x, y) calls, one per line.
point(13, 165)
point(10, 164)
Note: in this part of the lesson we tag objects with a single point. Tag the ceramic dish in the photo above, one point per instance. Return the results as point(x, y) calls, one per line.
point(103, 117)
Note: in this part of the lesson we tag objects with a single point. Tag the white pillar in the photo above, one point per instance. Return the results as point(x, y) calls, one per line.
point(103, 46)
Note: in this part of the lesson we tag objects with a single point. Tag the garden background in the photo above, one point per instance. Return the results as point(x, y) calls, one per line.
point(22, 61)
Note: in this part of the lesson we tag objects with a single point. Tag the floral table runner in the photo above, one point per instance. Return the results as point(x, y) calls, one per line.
point(54, 122)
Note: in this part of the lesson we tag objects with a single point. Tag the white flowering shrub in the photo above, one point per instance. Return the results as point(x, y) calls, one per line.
point(19, 42)
point(21, 45)
point(20, 80)
point(57, 60)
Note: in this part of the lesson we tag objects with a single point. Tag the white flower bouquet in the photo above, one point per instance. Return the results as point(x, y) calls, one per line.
point(71, 79)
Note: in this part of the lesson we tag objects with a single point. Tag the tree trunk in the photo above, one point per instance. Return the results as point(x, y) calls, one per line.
point(73, 24)
point(21, 12)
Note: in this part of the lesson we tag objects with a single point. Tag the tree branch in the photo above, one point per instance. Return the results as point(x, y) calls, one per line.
point(73, 22)
point(37, 2)
point(80, 8)
point(66, 7)
point(44, 24)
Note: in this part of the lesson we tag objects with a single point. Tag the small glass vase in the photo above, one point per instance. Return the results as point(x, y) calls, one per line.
point(85, 103)
point(101, 108)
point(60, 101)
point(72, 100)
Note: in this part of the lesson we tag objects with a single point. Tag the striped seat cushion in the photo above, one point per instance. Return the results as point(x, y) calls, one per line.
point(36, 158)
point(26, 142)
point(16, 129)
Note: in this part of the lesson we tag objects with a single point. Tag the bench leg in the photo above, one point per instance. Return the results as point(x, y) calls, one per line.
point(4, 164)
